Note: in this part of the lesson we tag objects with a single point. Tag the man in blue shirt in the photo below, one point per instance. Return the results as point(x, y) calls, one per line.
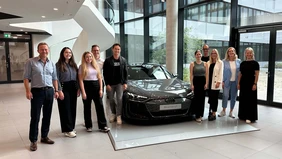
point(44, 87)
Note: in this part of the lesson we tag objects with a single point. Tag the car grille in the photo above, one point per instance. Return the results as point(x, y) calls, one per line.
point(152, 108)
point(170, 112)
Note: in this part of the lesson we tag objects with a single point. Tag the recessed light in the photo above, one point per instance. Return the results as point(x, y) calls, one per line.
point(55, 9)
point(21, 30)
point(43, 16)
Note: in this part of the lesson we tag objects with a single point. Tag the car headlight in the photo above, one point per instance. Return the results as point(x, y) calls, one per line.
point(190, 95)
point(137, 97)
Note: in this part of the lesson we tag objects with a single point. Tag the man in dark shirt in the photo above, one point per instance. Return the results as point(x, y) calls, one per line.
point(115, 76)
point(44, 87)
point(206, 56)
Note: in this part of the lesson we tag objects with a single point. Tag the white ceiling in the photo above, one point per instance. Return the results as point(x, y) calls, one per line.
point(33, 10)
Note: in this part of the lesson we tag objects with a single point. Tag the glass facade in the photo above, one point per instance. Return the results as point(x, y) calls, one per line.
point(259, 12)
point(134, 41)
point(211, 27)
point(157, 39)
point(141, 29)
point(133, 9)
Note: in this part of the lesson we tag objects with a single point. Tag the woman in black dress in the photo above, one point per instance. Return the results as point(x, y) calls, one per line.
point(247, 84)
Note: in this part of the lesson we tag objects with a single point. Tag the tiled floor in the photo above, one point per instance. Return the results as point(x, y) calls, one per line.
point(14, 143)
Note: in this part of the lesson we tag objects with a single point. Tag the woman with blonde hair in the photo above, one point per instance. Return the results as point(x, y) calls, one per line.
point(231, 65)
point(247, 84)
point(214, 76)
point(90, 81)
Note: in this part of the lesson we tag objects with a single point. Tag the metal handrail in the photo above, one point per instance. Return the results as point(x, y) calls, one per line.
point(112, 9)
point(109, 6)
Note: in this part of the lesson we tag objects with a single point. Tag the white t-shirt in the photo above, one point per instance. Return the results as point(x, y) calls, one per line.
point(233, 70)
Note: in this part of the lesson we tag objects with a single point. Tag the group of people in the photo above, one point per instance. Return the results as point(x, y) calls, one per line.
point(210, 74)
point(65, 81)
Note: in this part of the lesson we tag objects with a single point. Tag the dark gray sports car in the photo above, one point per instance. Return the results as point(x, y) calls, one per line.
point(153, 93)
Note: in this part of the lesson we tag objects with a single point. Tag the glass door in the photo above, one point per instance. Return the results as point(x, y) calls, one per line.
point(3, 62)
point(267, 46)
point(13, 57)
point(260, 42)
point(277, 94)
point(18, 55)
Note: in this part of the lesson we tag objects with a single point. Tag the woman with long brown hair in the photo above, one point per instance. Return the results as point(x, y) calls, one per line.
point(68, 91)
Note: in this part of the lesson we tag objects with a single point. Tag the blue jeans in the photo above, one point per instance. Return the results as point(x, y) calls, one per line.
point(232, 90)
point(116, 108)
point(40, 98)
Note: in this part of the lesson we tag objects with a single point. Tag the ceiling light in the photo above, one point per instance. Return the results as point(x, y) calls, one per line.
point(0, 7)
point(19, 35)
point(43, 16)
point(55, 9)
point(21, 30)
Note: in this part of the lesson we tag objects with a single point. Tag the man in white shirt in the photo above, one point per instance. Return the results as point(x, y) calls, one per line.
point(96, 52)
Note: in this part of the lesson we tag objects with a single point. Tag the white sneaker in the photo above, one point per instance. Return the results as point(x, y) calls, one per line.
point(112, 118)
point(89, 129)
point(222, 113)
point(231, 115)
point(119, 121)
point(248, 121)
point(70, 134)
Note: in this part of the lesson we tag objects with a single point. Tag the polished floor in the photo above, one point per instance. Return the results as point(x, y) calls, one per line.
point(14, 124)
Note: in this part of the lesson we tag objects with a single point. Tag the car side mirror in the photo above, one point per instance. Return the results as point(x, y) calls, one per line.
point(175, 75)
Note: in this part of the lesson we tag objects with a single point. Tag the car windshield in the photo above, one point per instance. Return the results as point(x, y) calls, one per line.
point(147, 72)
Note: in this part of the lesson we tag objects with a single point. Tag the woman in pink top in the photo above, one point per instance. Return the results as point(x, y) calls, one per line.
point(90, 81)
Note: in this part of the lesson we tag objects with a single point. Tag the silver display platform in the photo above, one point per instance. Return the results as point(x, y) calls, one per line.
point(129, 136)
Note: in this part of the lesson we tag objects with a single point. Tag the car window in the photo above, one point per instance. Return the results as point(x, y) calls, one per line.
point(147, 72)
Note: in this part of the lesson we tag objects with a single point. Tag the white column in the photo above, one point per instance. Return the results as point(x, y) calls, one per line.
point(171, 35)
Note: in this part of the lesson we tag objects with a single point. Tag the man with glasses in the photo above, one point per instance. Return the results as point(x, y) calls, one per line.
point(205, 56)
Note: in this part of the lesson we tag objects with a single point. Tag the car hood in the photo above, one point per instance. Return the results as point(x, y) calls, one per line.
point(159, 88)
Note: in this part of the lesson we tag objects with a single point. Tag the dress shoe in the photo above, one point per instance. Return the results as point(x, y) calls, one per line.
point(33, 146)
point(46, 140)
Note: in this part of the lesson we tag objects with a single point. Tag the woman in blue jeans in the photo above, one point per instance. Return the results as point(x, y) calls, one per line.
point(231, 65)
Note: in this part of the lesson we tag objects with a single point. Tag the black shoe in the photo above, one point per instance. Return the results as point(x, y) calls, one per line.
point(105, 129)
point(211, 118)
point(46, 140)
point(33, 146)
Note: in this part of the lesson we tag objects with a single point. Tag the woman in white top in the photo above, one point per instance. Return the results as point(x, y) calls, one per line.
point(231, 65)
point(90, 81)
point(214, 76)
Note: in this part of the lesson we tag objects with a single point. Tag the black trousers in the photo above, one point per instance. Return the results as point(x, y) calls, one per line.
point(92, 93)
point(41, 98)
point(213, 99)
point(67, 106)
point(199, 95)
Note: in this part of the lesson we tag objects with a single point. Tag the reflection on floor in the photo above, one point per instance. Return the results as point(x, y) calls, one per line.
point(130, 136)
